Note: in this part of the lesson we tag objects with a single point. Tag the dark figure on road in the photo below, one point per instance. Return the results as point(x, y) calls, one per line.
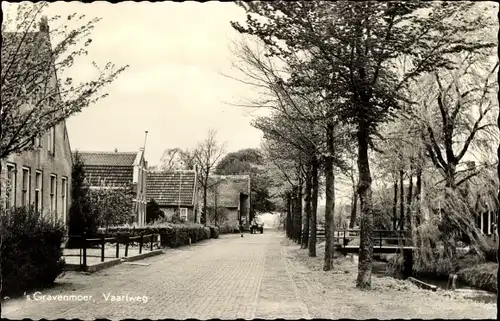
point(241, 228)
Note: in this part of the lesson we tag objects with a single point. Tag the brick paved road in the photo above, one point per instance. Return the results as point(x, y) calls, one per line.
point(228, 278)
point(258, 276)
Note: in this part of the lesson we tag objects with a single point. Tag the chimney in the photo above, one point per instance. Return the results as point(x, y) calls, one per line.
point(116, 150)
point(44, 24)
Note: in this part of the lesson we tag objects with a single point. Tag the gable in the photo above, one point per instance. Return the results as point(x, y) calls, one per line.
point(228, 189)
point(66, 145)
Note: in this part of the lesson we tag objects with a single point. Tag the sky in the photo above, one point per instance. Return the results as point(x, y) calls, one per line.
point(174, 87)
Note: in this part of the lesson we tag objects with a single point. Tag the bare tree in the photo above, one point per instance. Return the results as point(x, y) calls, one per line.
point(205, 157)
point(172, 159)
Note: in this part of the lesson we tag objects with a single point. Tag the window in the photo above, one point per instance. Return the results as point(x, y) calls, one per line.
point(53, 191)
point(184, 213)
point(38, 191)
point(25, 201)
point(36, 142)
point(51, 140)
point(11, 186)
point(64, 192)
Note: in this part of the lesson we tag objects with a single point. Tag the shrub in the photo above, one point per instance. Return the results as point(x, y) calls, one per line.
point(31, 250)
point(228, 228)
point(113, 206)
point(482, 276)
point(171, 235)
point(153, 212)
point(82, 216)
point(214, 232)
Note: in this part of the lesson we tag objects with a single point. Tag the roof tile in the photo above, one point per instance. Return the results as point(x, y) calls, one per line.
point(108, 158)
point(109, 175)
point(171, 188)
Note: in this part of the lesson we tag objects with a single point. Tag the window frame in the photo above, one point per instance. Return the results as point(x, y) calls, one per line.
point(26, 190)
point(38, 190)
point(11, 194)
point(64, 196)
point(53, 195)
point(51, 137)
point(182, 211)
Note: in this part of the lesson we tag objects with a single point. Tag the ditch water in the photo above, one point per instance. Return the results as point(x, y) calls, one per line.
point(473, 294)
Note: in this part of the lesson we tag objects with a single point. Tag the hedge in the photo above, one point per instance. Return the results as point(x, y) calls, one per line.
point(227, 228)
point(171, 235)
point(31, 250)
point(214, 232)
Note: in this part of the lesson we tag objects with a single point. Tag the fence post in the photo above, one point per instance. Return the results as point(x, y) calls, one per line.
point(102, 248)
point(152, 237)
point(117, 248)
point(84, 245)
point(140, 244)
point(343, 244)
point(380, 238)
point(126, 245)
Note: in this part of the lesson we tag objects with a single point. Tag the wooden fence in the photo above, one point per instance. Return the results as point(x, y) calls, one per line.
point(86, 243)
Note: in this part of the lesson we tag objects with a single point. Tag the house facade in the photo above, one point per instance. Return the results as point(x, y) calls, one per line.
point(231, 192)
point(119, 170)
point(40, 177)
point(175, 192)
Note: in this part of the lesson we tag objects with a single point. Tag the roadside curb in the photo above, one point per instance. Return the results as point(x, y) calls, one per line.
point(142, 256)
point(92, 268)
point(107, 264)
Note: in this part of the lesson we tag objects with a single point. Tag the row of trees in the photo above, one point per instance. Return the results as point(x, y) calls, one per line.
point(402, 84)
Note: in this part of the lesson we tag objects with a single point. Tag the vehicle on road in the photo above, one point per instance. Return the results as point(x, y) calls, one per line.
point(257, 226)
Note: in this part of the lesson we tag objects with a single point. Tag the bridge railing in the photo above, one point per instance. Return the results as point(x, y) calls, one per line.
point(343, 236)
point(398, 237)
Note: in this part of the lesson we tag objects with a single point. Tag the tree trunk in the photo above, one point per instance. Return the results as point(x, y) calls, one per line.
point(401, 201)
point(307, 217)
point(299, 211)
point(365, 195)
point(204, 213)
point(418, 196)
point(288, 216)
point(409, 213)
point(395, 206)
point(293, 230)
point(354, 209)
point(314, 210)
point(330, 203)
point(295, 215)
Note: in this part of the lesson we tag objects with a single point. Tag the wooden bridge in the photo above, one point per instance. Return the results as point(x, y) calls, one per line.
point(384, 242)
